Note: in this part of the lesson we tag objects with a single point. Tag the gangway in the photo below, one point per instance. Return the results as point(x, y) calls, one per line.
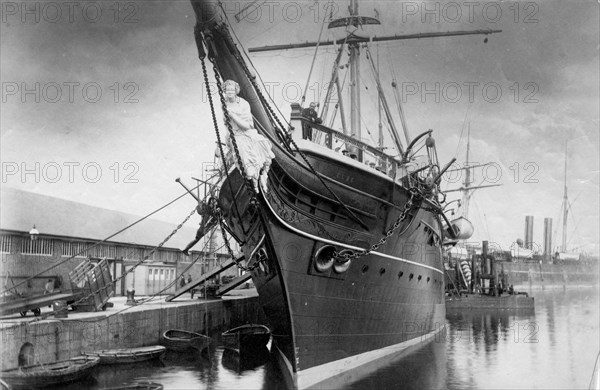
point(203, 278)
point(233, 284)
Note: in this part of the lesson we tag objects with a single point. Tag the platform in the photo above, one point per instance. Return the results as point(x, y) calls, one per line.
point(477, 301)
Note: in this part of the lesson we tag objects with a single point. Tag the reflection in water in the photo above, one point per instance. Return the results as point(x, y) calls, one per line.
point(239, 362)
point(553, 347)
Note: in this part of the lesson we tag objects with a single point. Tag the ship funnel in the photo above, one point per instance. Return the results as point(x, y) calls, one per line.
point(529, 232)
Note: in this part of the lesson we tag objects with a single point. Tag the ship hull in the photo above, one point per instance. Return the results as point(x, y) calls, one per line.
point(325, 321)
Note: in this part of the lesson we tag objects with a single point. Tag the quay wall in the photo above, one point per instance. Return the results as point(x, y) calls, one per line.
point(535, 275)
point(58, 339)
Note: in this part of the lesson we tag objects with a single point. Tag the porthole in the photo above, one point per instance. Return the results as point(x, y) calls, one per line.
point(400, 274)
point(342, 264)
point(411, 276)
point(324, 258)
point(428, 279)
point(419, 278)
point(381, 271)
point(364, 268)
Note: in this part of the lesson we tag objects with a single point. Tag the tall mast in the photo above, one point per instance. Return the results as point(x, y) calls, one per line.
point(379, 124)
point(467, 189)
point(565, 207)
point(467, 184)
point(355, 130)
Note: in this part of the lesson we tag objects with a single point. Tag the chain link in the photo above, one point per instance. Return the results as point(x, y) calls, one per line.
point(249, 184)
point(226, 241)
point(407, 207)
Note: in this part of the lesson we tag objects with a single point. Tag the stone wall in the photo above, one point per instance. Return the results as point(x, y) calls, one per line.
point(54, 339)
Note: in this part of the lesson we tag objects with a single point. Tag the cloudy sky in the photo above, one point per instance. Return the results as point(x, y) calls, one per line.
point(102, 102)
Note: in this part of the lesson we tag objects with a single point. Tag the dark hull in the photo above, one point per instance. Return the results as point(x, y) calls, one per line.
point(326, 322)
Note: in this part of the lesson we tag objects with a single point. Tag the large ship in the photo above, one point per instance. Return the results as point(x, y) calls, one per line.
point(343, 241)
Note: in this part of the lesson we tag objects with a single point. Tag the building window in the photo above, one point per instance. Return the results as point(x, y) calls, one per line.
point(6, 244)
point(41, 246)
point(103, 250)
point(77, 249)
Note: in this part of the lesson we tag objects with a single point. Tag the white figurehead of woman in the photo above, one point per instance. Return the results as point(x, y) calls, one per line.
point(232, 89)
point(255, 149)
point(237, 108)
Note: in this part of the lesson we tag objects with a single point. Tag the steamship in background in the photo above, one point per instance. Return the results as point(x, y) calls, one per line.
point(527, 264)
point(345, 249)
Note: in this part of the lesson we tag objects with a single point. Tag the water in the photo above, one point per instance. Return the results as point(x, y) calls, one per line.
point(554, 347)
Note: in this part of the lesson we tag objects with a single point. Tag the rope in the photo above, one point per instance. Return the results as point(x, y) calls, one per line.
point(226, 18)
point(216, 126)
point(128, 271)
point(228, 247)
point(98, 243)
point(247, 181)
point(313, 61)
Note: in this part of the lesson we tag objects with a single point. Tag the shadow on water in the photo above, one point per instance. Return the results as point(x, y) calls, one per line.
point(240, 362)
point(422, 368)
point(553, 347)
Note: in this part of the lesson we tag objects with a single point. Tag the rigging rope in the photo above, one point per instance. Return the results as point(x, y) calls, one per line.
point(216, 126)
point(313, 61)
point(85, 298)
point(98, 243)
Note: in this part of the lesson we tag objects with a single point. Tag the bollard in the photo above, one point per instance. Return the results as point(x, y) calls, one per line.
point(60, 309)
point(131, 297)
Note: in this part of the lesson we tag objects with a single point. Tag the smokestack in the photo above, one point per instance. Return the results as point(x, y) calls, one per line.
point(547, 238)
point(529, 232)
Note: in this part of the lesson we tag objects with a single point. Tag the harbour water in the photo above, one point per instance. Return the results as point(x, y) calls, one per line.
point(554, 347)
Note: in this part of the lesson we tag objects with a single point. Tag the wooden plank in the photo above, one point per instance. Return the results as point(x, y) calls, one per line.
point(202, 279)
point(234, 283)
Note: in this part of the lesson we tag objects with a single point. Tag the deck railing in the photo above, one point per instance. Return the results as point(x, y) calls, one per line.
point(342, 143)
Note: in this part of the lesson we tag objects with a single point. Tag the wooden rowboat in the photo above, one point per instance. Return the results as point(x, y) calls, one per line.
point(42, 375)
point(137, 386)
point(182, 340)
point(246, 337)
point(128, 355)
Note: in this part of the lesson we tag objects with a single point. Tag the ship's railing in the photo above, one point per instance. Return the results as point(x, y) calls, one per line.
point(342, 143)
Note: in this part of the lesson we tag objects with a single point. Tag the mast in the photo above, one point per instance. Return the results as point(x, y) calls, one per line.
point(467, 184)
point(379, 124)
point(355, 128)
point(565, 207)
point(467, 189)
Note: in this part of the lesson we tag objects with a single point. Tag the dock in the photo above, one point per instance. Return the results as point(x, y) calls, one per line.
point(122, 326)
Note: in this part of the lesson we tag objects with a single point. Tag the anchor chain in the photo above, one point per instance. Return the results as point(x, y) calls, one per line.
point(229, 250)
point(247, 181)
point(414, 193)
